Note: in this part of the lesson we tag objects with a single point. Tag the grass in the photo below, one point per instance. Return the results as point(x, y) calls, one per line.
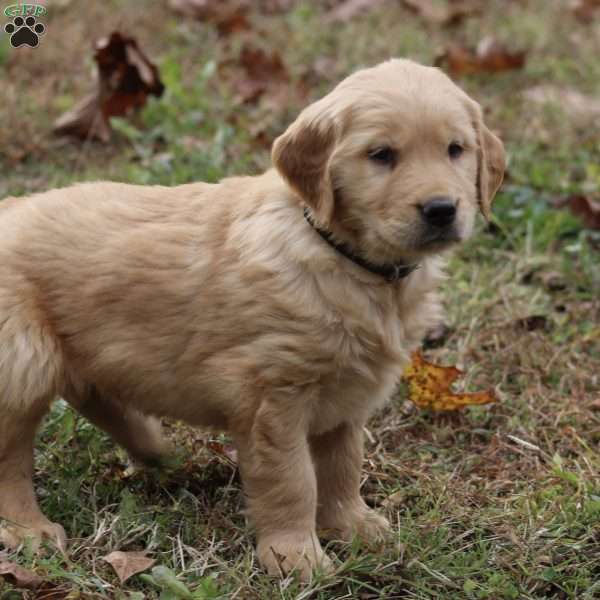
point(495, 502)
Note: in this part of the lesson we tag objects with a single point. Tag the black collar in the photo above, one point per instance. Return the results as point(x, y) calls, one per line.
point(391, 272)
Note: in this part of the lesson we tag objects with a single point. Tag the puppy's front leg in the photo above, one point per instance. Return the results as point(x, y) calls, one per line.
point(281, 488)
point(342, 513)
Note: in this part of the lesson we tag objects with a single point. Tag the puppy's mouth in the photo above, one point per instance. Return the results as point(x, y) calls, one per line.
point(435, 238)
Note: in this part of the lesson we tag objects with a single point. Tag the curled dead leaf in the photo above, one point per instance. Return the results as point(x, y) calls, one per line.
point(128, 564)
point(490, 56)
point(585, 207)
point(429, 387)
point(19, 576)
point(125, 80)
point(260, 71)
point(585, 10)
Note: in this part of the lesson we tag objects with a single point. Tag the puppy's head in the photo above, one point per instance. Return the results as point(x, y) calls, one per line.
point(395, 160)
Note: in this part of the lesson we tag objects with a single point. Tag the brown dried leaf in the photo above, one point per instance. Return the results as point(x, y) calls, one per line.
point(490, 56)
point(125, 80)
point(429, 387)
point(128, 564)
point(261, 71)
point(19, 576)
point(583, 206)
point(585, 10)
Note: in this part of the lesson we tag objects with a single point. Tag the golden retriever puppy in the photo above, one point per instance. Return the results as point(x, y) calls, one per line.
point(281, 308)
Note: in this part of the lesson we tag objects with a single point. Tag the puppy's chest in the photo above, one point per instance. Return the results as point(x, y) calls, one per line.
point(365, 364)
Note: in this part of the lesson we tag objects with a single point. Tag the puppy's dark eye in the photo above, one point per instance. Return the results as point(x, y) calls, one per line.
point(383, 155)
point(455, 150)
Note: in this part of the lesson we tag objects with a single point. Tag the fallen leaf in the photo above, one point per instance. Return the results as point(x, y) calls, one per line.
point(19, 576)
point(581, 109)
point(451, 14)
point(429, 387)
point(585, 207)
point(352, 8)
point(490, 56)
point(595, 405)
point(128, 564)
point(228, 17)
point(261, 71)
point(585, 10)
point(125, 80)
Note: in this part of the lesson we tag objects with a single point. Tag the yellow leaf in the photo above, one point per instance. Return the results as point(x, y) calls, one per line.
point(429, 387)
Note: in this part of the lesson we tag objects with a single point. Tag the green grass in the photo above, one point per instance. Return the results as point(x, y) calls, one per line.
point(496, 502)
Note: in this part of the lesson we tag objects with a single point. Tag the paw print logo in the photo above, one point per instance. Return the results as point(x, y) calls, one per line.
point(25, 32)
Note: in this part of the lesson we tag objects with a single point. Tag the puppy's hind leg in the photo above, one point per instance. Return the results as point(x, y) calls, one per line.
point(30, 367)
point(140, 434)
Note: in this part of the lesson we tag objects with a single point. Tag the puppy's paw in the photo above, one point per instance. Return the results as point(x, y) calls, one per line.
point(362, 522)
point(280, 554)
point(12, 535)
point(372, 527)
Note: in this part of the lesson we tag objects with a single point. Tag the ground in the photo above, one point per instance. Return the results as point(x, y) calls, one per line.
point(498, 501)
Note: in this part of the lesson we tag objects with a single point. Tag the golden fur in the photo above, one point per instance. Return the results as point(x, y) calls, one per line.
point(220, 306)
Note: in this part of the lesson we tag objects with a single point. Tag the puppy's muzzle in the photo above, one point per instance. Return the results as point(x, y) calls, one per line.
point(439, 212)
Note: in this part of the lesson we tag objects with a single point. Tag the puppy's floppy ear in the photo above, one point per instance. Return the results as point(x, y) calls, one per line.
point(302, 157)
point(491, 163)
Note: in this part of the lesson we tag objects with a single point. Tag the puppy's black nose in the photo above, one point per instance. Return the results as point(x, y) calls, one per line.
point(439, 211)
